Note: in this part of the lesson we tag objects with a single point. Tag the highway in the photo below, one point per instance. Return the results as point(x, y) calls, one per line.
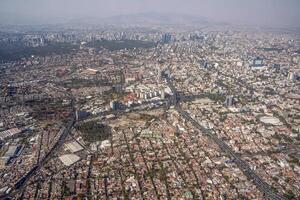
point(36, 168)
point(265, 188)
point(268, 192)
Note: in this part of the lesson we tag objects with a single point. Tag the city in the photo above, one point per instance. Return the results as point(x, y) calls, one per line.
point(149, 111)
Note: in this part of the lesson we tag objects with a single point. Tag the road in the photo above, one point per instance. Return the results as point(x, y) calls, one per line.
point(174, 100)
point(36, 168)
point(265, 188)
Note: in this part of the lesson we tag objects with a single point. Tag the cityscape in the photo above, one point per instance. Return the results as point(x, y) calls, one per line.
point(149, 106)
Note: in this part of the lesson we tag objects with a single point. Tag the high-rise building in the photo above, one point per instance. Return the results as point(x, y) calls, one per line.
point(113, 105)
point(291, 76)
point(162, 94)
point(166, 38)
point(117, 88)
point(159, 74)
point(229, 101)
point(276, 67)
point(11, 90)
point(204, 64)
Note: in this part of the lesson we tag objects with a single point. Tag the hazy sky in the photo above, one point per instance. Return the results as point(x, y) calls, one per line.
point(260, 12)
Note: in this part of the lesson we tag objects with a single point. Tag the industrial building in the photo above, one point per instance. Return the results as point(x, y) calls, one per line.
point(69, 159)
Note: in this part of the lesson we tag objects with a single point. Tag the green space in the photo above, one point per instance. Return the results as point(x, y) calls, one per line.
point(112, 95)
point(81, 83)
point(146, 117)
point(93, 131)
point(12, 52)
point(271, 49)
point(290, 195)
point(215, 97)
point(113, 45)
point(17, 50)
point(221, 83)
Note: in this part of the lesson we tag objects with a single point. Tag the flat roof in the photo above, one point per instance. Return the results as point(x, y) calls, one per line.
point(270, 120)
point(69, 159)
point(73, 147)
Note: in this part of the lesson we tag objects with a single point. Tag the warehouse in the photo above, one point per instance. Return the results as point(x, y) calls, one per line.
point(69, 159)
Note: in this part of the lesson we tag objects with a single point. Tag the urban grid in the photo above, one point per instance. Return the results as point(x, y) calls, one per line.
point(149, 112)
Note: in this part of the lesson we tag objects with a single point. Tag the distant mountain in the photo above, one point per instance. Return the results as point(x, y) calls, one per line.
point(143, 19)
point(155, 18)
point(128, 19)
point(15, 19)
point(9, 18)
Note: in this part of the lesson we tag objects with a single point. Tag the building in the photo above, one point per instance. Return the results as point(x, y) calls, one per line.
point(292, 76)
point(203, 64)
point(9, 133)
point(117, 88)
point(159, 74)
point(91, 71)
point(166, 38)
point(69, 159)
point(276, 67)
point(258, 62)
point(131, 76)
point(10, 153)
point(162, 94)
point(114, 105)
point(229, 101)
point(73, 147)
point(11, 90)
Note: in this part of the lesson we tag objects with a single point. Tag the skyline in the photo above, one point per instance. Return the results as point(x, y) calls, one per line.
point(267, 12)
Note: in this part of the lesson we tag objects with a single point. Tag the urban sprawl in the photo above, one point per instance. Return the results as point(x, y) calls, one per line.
point(150, 113)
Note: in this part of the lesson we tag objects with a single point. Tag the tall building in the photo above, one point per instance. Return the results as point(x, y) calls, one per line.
point(117, 88)
point(166, 38)
point(291, 76)
point(229, 101)
point(162, 94)
point(276, 67)
point(159, 74)
point(11, 90)
point(113, 105)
